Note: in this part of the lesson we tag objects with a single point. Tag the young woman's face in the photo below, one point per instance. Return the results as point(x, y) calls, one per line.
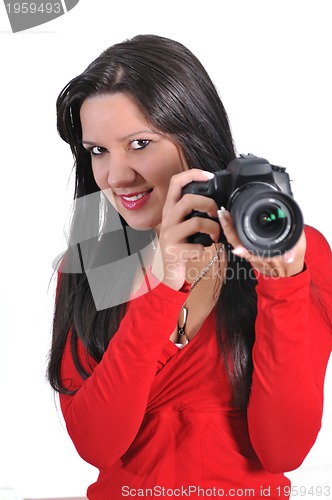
point(131, 162)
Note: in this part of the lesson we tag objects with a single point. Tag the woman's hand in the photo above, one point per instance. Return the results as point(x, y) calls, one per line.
point(174, 251)
point(287, 264)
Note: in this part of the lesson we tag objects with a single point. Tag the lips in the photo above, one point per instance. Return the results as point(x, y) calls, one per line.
point(133, 201)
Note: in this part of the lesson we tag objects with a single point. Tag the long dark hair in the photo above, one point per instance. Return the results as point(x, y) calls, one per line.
point(178, 98)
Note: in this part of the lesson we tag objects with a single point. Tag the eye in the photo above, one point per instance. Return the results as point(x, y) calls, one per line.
point(97, 150)
point(140, 143)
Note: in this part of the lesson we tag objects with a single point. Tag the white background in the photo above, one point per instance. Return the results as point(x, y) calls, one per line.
point(271, 62)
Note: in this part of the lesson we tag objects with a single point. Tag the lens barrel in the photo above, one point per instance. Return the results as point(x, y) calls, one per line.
point(268, 222)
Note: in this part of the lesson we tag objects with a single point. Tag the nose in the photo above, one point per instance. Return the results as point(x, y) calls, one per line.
point(120, 172)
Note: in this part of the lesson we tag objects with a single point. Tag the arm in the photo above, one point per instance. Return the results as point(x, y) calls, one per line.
point(290, 354)
point(105, 414)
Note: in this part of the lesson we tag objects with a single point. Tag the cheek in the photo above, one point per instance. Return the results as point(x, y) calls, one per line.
point(100, 177)
point(109, 195)
point(162, 170)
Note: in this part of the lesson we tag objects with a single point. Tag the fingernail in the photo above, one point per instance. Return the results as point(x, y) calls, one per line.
point(239, 251)
point(289, 257)
point(221, 214)
point(209, 175)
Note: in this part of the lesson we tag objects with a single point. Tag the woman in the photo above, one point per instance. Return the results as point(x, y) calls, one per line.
point(206, 376)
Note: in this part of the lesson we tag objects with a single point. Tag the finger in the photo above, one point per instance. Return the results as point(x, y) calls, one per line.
point(297, 252)
point(289, 256)
point(190, 202)
point(228, 227)
point(179, 233)
point(200, 225)
point(180, 180)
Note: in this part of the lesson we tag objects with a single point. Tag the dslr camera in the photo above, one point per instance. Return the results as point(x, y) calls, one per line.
point(258, 195)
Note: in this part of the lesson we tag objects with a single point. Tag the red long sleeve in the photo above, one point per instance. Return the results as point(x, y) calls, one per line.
point(105, 414)
point(290, 354)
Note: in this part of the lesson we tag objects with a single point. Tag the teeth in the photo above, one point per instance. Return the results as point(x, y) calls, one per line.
point(135, 197)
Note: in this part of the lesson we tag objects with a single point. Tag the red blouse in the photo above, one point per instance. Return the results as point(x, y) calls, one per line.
point(157, 420)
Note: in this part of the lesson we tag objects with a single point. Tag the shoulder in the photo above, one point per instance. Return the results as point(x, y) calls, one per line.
point(318, 260)
point(317, 244)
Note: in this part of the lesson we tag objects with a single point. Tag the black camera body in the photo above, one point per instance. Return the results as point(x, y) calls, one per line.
point(259, 197)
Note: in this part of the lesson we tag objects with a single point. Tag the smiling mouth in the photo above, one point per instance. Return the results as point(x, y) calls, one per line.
point(135, 197)
point(135, 201)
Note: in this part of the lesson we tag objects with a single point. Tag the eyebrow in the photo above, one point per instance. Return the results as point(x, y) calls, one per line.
point(133, 134)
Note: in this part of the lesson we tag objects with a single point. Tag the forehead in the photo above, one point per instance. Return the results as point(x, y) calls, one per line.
point(117, 112)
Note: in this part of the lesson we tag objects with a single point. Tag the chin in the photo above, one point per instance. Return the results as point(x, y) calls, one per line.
point(142, 223)
point(138, 226)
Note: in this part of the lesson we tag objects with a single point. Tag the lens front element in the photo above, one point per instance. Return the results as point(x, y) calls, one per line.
point(269, 223)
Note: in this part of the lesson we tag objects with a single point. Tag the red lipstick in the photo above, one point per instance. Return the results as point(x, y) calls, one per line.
point(134, 201)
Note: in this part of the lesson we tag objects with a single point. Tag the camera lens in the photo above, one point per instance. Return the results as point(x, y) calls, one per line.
point(268, 222)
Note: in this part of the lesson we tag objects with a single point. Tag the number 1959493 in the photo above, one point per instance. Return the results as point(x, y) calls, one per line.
point(33, 8)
